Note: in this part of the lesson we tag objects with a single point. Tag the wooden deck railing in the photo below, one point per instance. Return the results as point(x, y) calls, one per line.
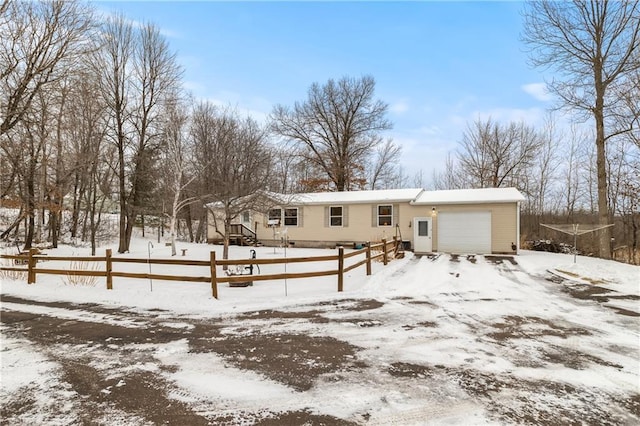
point(371, 252)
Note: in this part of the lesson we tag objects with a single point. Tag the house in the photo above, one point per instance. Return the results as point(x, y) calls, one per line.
point(479, 221)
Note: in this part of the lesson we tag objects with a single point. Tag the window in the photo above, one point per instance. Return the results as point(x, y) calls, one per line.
point(335, 216)
point(423, 228)
point(385, 215)
point(275, 216)
point(291, 217)
point(246, 217)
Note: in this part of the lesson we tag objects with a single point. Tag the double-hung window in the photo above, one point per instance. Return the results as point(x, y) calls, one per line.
point(335, 216)
point(385, 215)
point(275, 217)
point(291, 216)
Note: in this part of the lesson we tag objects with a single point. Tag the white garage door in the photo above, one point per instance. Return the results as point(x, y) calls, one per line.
point(464, 232)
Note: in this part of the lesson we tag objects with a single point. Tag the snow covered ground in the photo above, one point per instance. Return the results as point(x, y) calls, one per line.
point(425, 340)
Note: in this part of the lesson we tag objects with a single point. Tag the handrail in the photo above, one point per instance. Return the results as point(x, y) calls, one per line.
point(242, 229)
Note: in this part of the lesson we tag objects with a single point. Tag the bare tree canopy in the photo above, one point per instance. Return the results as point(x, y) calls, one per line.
point(591, 44)
point(138, 74)
point(338, 125)
point(494, 155)
point(37, 40)
point(234, 161)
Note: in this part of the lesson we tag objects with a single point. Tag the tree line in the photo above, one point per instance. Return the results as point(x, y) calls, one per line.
point(95, 119)
point(582, 172)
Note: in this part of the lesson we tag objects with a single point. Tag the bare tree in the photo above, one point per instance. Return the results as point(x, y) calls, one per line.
point(575, 162)
point(451, 177)
point(112, 63)
point(493, 155)
point(240, 168)
point(24, 148)
point(591, 43)
point(155, 80)
point(138, 72)
point(338, 126)
point(179, 162)
point(38, 40)
point(538, 180)
point(384, 171)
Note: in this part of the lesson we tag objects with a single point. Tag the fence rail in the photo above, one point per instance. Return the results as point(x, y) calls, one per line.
point(382, 251)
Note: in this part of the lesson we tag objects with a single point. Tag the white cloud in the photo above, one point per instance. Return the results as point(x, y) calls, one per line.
point(399, 107)
point(531, 116)
point(538, 91)
point(257, 108)
point(105, 15)
point(430, 130)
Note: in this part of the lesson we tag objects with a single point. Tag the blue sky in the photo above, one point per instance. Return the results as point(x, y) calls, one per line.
point(439, 65)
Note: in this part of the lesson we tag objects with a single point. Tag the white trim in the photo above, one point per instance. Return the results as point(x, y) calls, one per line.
point(419, 241)
point(518, 227)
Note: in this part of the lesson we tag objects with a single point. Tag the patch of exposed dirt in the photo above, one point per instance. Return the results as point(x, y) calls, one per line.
point(570, 358)
point(353, 304)
point(501, 259)
point(515, 327)
point(21, 402)
point(625, 312)
point(140, 393)
point(600, 295)
point(48, 330)
point(422, 302)
point(593, 281)
point(93, 307)
point(632, 404)
point(312, 315)
point(361, 322)
point(454, 258)
point(425, 324)
point(296, 360)
point(542, 356)
point(302, 417)
point(587, 292)
point(514, 400)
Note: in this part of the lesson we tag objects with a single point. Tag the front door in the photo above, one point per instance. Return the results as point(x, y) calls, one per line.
point(422, 241)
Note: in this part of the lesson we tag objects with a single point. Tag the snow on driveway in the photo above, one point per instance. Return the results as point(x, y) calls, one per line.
point(435, 339)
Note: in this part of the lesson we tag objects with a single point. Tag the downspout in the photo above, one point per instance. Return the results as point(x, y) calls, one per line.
point(518, 227)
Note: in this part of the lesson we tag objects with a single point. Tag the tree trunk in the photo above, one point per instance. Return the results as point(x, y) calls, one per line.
point(76, 206)
point(601, 165)
point(15, 224)
point(189, 224)
point(201, 232)
point(30, 209)
point(225, 240)
point(123, 246)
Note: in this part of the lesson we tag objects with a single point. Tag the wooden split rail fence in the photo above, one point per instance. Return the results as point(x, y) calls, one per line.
point(371, 252)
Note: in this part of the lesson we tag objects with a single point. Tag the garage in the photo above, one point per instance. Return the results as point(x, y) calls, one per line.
point(464, 232)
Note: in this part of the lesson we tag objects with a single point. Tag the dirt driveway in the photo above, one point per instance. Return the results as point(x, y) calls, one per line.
point(340, 362)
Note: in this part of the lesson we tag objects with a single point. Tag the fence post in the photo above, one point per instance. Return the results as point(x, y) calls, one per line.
point(368, 257)
point(31, 264)
point(109, 270)
point(214, 278)
point(385, 259)
point(340, 268)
